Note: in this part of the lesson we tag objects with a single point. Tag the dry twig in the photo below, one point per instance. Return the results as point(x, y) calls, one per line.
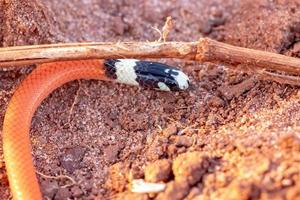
point(166, 29)
point(59, 178)
point(204, 50)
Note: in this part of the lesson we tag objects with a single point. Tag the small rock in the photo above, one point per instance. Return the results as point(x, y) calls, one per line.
point(206, 28)
point(176, 190)
point(170, 130)
point(111, 153)
point(214, 119)
point(134, 121)
point(154, 153)
point(136, 173)
point(168, 108)
point(216, 12)
point(231, 91)
point(118, 177)
point(183, 141)
point(238, 191)
point(157, 148)
point(190, 166)
point(71, 159)
point(216, 21)
point(158, 171)
point(215, 101)
point(294, 51)
point(181, 150)
point(95, 191)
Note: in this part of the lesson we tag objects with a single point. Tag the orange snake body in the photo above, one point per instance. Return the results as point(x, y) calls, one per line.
point(16, 127)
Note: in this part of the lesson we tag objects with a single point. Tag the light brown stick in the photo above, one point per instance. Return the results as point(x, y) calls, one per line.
point(203, 50)
point(213, 51)
point(24, 55)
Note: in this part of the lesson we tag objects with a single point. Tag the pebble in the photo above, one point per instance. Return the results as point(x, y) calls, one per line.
point(72, 158)
point(118, 177)
point(190, 166)
point(183, 141)
point(170, 130)
point(231, 91)
point(111, 153)
point(158, 171)
point(176, 190)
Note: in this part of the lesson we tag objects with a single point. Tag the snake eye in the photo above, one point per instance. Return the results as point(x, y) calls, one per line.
point(147, 74)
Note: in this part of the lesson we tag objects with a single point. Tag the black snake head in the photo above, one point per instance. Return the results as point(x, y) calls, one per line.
point(146, 74)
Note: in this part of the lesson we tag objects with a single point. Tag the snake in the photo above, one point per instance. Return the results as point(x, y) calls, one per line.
point(47, 77)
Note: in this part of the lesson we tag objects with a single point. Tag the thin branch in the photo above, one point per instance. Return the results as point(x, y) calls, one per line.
point(24, 55)
point(167, 28)
point(213, 51)
point(59, 177)
point(204, 50)
point(280, 78)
